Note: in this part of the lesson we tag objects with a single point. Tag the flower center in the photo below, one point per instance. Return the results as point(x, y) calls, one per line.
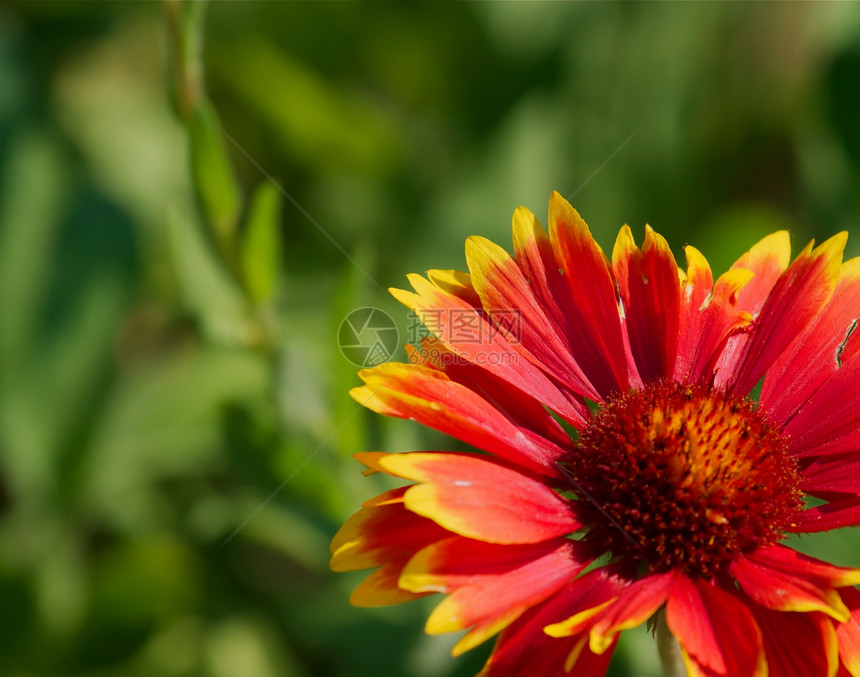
point(683, 477)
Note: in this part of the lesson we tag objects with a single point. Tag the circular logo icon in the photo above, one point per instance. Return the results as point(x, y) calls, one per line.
point(367, 337)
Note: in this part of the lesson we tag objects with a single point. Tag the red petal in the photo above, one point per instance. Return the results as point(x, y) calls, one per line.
point(503, 287)
point(537, 260)
point(797, 644)
point(524, 649)
point(767, 260)
point(816, 354)
point(490, 585)
point(834, 515)
point(650, 290)
point(829, 421)
point(716, 631)
point(478, 498)
point(525, 412)
point(474, 337)
point(633, 606)
point(798, 296)
point(779, 557)
point(848, 634)
point(781, 579)
point(828, 476)
point(382, 531)
point(709, 317)
point(382, 534)
point(433, 399)
point(590, 302)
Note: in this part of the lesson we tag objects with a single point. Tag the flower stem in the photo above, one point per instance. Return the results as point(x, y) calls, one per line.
point(669, 649)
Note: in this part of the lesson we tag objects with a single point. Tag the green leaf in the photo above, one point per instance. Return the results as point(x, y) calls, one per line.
point(261, 245)
point(214, 179)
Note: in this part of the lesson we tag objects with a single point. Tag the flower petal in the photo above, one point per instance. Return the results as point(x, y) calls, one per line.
point(584, 599)
point(710, 316)
point(796, 298)
point(382, 534)
point(848, 633)
point(478, 498)
point(590, 299)
point(633, 606)
point(648, 283)
point(716, 631)
point(828, 421)
point(768, 260)
point(433, 399)
point(457, 283)
point(471, 334)
point(382, 531)
point(523, 411)
point(381, 589)
point(816, 354)
point(830, 476)
point(525, 649)
point(834, 515)
point(490, 585)
point(503, 287)
point(539, 654)
point(782, 579)
point(797, 644)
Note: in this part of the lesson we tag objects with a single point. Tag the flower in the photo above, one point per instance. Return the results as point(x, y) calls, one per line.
point(628, 474)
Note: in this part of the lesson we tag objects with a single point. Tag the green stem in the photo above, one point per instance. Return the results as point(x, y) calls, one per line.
point(669, 649)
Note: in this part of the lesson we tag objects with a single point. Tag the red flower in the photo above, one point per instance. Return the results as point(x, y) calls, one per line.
point(674, 489)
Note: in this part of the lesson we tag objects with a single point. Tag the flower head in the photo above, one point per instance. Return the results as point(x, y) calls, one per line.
point(628, 471)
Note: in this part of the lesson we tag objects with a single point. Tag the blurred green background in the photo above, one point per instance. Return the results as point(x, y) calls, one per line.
point(168, 319)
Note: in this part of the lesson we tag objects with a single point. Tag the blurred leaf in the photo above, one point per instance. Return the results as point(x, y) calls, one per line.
point(34, 190)
point(261, 245)
point(319, 123)
point(207, 290)
point(351, 294)
point(213, 176)
point(250, 647)
point(162, 424)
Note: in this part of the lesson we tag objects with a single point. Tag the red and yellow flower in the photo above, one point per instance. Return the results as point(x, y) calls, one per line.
point(628, 471)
